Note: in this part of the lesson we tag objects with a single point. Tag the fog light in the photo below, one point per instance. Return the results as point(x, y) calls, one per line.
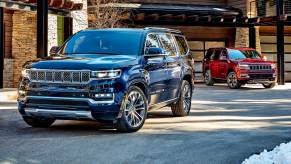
point(104, 95)
point(244, 76)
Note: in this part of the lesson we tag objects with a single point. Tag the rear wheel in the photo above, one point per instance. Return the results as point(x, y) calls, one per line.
point(208, 79)
point(183, 106)
point(134, 110)
point(232, 81)
point(269, 85)
point(38, 122)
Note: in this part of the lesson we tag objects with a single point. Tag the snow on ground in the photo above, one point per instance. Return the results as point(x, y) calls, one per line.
point(280, 155)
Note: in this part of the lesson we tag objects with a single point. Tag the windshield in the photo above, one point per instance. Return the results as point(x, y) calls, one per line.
point(103, 42)
point(243, 54)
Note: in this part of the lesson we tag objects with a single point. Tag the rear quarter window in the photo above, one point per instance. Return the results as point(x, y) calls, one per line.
point(182, 44)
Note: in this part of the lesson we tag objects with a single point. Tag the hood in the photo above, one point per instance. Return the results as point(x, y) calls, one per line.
point(84, 61)
point(254, 61)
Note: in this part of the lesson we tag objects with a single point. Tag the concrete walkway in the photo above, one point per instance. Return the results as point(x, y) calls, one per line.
point(225, 126)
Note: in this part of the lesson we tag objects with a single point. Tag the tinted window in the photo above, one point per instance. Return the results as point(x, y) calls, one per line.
point(182, 44)
point(209, 53)
point(168, 45)
point(104, 42)
point(152, 41)
point(243, 54)
point(215, 55)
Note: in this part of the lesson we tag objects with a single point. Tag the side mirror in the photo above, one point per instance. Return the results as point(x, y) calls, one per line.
point(155, 52)
point(54, 50)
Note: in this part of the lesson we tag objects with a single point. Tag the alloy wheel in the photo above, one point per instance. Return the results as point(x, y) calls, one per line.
point(135, 109)
point(232, 80)
point(187, 98)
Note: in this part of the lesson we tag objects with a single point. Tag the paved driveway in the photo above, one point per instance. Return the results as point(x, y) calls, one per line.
point(225, 126)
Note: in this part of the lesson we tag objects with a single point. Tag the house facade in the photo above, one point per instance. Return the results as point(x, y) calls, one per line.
point(206, 23)
point(20, 34)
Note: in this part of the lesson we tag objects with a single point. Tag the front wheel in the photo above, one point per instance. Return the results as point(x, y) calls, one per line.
point(134, 110)
point(232, 81)
point(38, 123)
point(269, 85)
point(183, 105)
point(208, 78)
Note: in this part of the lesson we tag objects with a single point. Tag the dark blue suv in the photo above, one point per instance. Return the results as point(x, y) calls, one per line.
point(109, 75)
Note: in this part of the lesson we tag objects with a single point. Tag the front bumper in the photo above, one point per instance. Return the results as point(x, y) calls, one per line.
point(71, 102)
point(257, 78)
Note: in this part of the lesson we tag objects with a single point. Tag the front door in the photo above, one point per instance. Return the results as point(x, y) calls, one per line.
point(157, 72)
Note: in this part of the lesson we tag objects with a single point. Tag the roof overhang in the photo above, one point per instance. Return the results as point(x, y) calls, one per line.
point(179, 14)
point(57, 7)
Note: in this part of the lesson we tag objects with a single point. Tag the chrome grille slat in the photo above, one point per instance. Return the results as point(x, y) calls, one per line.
point(260, 67)
point(59, 76)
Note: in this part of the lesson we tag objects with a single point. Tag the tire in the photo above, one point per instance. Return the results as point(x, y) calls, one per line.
point(134, 112)
point(232, 81)
point(208, 79)
point(38, 123)
point(183, 106)
point(269, 85)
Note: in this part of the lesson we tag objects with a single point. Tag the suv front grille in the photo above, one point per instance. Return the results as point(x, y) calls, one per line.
point(260, 67)
point(59, 76)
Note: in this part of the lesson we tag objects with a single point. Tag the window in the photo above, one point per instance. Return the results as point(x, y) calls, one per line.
point(168, 44)
point(215, 55)
point(104, 42)
point(152, 41)
point(241, 54)
point(182, 44)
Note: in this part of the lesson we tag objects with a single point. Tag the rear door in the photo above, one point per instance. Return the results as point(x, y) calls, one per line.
point(214, 63)
point(157, 71)
point(223, 64)
point(174, 69)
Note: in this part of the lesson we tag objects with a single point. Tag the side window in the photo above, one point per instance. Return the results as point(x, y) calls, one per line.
point(209, 53)
point(152, 41)
point(182, 44)
point(215, 55)
point(168, 44)
point(223, 55)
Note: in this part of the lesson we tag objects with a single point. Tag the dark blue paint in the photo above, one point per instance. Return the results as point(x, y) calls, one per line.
point(161, 76)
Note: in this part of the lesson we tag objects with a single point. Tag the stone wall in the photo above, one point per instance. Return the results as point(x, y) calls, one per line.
point(23, 41)
point(8, 73)
point(242, 38)
point(8, 33)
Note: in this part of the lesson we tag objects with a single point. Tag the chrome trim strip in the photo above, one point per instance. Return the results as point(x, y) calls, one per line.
point(91, 101)
point(59, 113)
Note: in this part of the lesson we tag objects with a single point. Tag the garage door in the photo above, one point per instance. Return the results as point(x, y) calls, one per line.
point(269, 48)
point(199, 49)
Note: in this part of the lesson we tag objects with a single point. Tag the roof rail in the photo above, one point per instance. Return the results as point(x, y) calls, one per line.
point(163, 29)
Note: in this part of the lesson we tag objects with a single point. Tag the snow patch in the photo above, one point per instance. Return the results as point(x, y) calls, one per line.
point(280, 155)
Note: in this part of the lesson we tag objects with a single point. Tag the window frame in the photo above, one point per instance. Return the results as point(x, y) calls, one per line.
point(176, 42)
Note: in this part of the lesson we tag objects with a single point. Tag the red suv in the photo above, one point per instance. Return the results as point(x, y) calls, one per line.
point(238, 66)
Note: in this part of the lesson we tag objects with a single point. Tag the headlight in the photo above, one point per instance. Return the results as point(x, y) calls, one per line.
point(244, 66)
point(274, 66)
point(24, 73)
point(109, 74)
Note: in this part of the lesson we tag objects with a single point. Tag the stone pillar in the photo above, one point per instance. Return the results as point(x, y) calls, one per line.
point(80, 18)
point(8, 73)
point(242, 38)
point(52, 31)
point(23, 41)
